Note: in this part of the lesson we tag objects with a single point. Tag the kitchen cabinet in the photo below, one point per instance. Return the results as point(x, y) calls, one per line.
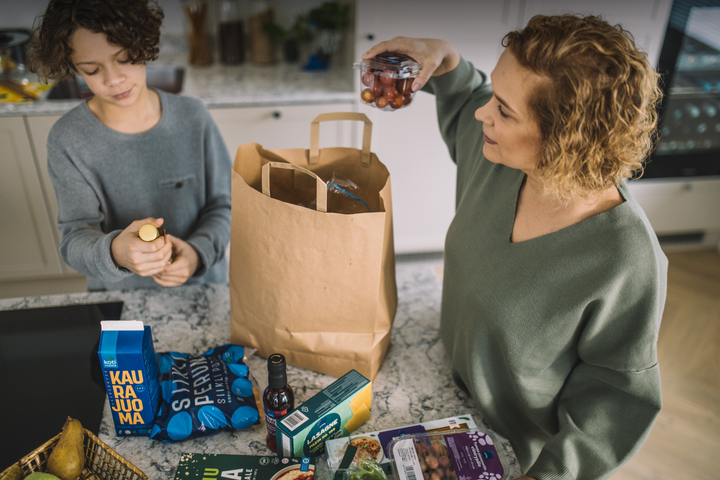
point(408, 141)
point(38, 129)
point(28, 247)
point(280, 127)
point(683, 211)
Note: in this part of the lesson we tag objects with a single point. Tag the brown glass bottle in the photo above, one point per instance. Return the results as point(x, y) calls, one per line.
point(278, 398)
point(149, 232)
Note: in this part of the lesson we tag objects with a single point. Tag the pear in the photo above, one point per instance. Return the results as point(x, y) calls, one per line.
point(67, 458)
point(40, 476)
point(14, 473)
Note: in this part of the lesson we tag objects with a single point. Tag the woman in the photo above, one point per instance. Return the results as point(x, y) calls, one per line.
point(130, 154)
point(554, 282)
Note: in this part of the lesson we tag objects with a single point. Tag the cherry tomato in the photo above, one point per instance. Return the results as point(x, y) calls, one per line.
point(432, 462)
point(377, 87)
point(407, 98)
point(404, 85)
point(397, 102)
point(381, 102)
point(367, 96)
point(368, 79)
point(389, 92)
point(387, 80)
point(444, 461)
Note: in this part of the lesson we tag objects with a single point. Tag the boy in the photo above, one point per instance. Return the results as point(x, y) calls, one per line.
point(130, 154)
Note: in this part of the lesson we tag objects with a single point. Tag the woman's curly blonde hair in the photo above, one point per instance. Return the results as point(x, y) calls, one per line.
point(597, 109)
point(131, 24)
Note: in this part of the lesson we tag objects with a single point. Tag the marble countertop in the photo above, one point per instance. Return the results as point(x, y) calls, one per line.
point(414, 384)
point(242, 85)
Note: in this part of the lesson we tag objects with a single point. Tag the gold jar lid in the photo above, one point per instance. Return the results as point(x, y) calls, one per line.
point(148, 232)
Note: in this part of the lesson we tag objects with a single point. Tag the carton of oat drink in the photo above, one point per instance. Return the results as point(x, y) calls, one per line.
point(130, 372)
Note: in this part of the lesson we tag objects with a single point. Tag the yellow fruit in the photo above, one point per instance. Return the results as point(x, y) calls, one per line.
point(67, 458)
point(40, 476)
point(14, 473)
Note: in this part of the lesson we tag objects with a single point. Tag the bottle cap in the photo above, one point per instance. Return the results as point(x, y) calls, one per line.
point(148, 232)
point(277, 371)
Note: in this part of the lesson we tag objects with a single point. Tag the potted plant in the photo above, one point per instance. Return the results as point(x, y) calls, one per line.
point(329, 21)
point(299, 33)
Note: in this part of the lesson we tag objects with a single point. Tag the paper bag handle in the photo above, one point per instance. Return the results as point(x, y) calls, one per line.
point(321, 188)
point(329, 117)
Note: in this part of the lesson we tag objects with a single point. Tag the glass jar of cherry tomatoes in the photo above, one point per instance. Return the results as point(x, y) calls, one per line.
point(386, 80)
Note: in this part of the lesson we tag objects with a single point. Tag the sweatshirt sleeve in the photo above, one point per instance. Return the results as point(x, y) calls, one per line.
point(212, 234)
point(458, 94)
point(612, 397)
point(83, 246)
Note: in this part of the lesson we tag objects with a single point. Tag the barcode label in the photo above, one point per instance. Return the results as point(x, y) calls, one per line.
point(294, 420)
point(406, 460)
point(409, 472)
point(286, 448)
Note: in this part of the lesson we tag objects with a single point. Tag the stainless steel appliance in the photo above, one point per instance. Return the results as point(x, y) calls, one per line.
point(14, 46)
point(689, 144)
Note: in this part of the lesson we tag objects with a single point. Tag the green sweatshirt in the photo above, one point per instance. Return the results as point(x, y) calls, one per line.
point(554, 337)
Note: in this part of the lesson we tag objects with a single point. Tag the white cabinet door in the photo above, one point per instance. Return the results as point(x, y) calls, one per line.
point(677, 205)
point(39, 129)
point(27, 244)
point(282, 127)
point(408, 141)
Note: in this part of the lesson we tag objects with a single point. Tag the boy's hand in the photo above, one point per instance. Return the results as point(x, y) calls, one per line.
point(183, 267)
point(142, 258)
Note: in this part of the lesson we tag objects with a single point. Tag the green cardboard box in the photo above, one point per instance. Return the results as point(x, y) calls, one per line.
point(334, 412)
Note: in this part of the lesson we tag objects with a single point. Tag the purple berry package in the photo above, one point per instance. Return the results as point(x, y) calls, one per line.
point(467, 454)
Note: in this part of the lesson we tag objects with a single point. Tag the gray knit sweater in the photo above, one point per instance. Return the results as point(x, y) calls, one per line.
point(104, 180)
point(554, 337)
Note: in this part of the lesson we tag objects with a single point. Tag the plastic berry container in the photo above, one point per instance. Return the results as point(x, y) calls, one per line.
point(448, 455)
point(386, 80)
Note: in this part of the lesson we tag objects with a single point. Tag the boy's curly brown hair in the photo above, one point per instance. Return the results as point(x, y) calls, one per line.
point(597, 108)
point(131, 24)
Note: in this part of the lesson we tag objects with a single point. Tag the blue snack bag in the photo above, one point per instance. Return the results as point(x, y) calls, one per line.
point(205, 394)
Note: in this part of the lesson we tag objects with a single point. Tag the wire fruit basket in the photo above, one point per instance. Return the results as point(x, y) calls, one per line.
point(101, 461)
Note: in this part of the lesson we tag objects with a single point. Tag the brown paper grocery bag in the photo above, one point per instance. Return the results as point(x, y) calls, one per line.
point(316, 286)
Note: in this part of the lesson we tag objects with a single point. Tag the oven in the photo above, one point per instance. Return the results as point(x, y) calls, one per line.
point(689, 143)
